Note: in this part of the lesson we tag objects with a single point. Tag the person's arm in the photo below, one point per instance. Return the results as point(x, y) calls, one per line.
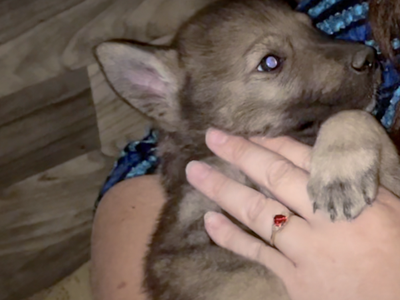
point(122, 228)
point(317, 259)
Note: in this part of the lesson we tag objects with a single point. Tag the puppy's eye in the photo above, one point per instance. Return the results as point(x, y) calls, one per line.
point(269, 63)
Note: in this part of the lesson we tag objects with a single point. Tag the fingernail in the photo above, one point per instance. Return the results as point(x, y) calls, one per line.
point(216, 137)
point(198, 169)
point(209, 215)
point(209, 219)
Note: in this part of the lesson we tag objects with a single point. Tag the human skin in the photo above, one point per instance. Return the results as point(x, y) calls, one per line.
point(316, 258)
point(122, 227)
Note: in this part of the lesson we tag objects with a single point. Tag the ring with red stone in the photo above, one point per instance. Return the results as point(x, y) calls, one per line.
point(279, 222)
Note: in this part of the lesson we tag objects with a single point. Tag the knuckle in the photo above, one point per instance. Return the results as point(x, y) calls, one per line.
point(256, 209)
point(306, 163)
point(218, 186)
point(278, 172)
point(255, 251)
point(239, 151)
point(228, 239)
point(282, 143)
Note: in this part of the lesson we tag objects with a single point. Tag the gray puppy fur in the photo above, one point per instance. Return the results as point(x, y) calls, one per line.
point(215, 75)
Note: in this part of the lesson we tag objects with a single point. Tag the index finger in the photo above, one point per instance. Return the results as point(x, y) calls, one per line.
point(296, 152)
point(286, 181)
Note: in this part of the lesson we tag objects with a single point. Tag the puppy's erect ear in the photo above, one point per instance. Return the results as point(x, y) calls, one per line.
point(145, 76)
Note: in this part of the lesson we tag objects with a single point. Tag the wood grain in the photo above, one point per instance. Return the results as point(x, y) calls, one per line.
point(45, 225)
point(48, 117)
point(17, 17)
point(46, 48)
point(61, 37)
point(74, 287)
point(45, 125)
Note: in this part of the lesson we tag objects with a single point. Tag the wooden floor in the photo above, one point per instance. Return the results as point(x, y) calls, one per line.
point(61, 126)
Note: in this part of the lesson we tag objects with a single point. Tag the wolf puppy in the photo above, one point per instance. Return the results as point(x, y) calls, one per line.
point(250, 68)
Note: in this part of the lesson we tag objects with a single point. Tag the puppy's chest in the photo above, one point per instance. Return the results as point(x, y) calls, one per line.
point(189, 204)
point(175, 155)
point(182, 223)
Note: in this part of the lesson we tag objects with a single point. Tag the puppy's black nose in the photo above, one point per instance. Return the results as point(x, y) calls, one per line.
point(364, 60)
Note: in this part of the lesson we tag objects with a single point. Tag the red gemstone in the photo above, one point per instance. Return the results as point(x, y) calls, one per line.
point(280, 220)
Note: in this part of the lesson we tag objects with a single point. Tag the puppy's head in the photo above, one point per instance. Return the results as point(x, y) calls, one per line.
point(250, 67)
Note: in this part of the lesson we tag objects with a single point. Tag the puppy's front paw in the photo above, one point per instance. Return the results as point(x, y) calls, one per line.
point(343, 184)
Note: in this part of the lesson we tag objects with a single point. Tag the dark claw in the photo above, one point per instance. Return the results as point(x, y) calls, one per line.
point(369, 201)
point(332, 210)
point(347, 210)
point(315, 207)
point(333, 217)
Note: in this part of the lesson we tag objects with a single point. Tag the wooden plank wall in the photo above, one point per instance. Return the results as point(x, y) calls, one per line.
point(56, 124)
point(61, 126)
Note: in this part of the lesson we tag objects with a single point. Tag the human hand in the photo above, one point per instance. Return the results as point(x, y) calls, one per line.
point(315, 258)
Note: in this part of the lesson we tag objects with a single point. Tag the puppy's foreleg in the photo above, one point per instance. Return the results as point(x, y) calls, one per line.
point(352, 156)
